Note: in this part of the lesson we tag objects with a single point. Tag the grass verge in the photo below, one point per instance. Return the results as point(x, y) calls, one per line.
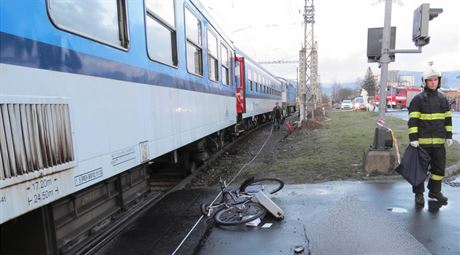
point(335, 151)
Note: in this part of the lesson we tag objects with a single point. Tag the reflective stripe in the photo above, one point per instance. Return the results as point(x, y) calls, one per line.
point(448, 128)
point(415, 115)
point(436, 177)
point(413, 130)
point(448, 114)
point(432, 140)
point(433, 116)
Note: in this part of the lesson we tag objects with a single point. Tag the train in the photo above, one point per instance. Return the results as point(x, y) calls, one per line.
point(95, 93)
point(289, 95)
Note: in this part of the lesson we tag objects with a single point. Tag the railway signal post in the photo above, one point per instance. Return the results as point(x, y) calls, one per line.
point(380, 151)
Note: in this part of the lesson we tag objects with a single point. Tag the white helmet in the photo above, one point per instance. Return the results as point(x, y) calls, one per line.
point(430, 73)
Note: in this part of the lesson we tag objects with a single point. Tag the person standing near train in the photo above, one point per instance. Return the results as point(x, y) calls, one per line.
point(277, 115)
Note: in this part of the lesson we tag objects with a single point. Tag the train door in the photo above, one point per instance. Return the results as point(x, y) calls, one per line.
point(240, 86)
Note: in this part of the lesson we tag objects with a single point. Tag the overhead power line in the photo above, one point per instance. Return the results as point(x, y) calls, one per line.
point(279, 62)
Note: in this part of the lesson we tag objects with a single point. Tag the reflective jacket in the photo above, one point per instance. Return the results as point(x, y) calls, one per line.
point(430, 119)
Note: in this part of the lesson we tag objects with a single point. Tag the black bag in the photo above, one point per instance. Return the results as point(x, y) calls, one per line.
point(414, 165)
point(282, 120)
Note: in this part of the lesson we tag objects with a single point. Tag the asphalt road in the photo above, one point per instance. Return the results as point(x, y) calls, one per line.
point(348, 217)
point(343, 217)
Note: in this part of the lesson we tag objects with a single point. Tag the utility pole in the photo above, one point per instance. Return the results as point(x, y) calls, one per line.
point(307, 70)
point(385, 60)
point(302, 86)
point(314, 77)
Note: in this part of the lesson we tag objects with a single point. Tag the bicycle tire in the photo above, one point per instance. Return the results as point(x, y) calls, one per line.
point(204, 209)
point(273, 185)
point(235, 215)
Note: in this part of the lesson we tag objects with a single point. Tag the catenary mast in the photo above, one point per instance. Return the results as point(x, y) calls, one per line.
point(308, 69)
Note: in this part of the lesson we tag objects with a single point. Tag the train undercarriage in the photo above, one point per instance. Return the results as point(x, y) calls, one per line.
point(78, 222)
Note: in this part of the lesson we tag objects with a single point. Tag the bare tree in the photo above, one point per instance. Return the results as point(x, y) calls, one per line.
point(335, 90)
point(344, 93)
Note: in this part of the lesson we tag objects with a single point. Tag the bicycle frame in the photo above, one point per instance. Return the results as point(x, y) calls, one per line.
point(229, 198)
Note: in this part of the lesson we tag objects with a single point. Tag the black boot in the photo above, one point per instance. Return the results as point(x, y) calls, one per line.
point(419, 199)
point(438, 196)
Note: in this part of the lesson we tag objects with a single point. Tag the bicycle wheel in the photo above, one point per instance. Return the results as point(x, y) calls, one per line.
point(204, 209)
point(269, 185)
point(239, 214)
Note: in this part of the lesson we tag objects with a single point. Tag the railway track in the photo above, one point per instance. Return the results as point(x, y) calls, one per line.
point(161, 184)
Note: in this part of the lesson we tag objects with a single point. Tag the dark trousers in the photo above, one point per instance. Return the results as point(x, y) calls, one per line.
point(438, 167)
point(277, 123)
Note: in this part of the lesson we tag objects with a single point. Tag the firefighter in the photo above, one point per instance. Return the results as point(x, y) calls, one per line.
point(430, 127)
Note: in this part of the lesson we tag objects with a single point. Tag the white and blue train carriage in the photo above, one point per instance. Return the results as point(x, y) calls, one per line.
point(261, 91)
point(91, 92)
point(289, 95)
point(110, 84)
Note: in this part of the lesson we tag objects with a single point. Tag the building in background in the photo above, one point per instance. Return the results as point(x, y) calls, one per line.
point(454, 96)
point(458, 83)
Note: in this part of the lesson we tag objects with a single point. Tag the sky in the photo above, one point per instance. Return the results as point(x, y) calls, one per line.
point(272, 30)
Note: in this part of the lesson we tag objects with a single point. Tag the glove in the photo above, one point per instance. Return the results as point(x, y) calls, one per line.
point(449, 142)
point(414, 144)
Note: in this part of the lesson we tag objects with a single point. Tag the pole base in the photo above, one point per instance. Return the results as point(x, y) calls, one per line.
point(380, 161)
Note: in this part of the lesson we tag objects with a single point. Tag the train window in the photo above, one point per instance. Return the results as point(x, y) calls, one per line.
point(225, 60)
point(99, 20)
point(250, 79)
point(162, 9)
point(161, 34)
point(237, 74)
point(213, 66)
point(194, 50)
point(230, 58)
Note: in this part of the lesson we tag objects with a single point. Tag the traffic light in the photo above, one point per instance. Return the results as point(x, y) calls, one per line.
point(422, 16)
point(374, 44)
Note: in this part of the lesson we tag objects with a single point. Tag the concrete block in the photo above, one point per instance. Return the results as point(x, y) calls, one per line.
point(381, 161)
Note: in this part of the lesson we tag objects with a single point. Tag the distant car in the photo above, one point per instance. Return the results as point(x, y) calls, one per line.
point(358, 104)
point(346, 104)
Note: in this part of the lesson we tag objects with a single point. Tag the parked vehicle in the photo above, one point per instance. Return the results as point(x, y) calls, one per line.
point(347, 104)
point(399, 96)
point(358, 104)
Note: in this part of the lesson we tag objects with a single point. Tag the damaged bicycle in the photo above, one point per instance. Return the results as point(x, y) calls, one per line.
point(246, 203)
